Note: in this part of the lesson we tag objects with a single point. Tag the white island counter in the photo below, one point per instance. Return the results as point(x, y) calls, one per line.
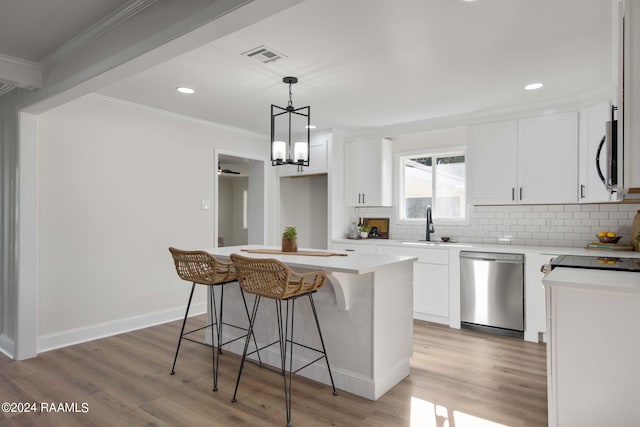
point(365, 312)
point(593, 348)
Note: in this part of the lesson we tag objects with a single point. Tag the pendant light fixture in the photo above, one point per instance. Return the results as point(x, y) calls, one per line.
point(290, 131)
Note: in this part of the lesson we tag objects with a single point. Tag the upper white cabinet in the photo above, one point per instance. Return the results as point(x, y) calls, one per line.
point(592, 129)
point(493, 150)
point(533, 160)
point(548, 159)
point(368, 173)
point(317, 157)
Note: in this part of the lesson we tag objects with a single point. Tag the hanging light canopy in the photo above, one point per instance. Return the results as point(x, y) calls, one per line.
point(290, 130)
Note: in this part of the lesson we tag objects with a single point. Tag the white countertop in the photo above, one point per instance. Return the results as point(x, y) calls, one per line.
point(353, 263)
point(603, 280)
point(545, 250)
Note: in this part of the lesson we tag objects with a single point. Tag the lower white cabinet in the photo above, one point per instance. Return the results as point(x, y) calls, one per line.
point(354, 247)
point(592, 352)
point(430, 281)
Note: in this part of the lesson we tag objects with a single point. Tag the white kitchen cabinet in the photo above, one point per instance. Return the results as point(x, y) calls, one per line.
point(533, 160)
point(368, 173)
point(354, 247)
point(592, 129)
point(593, 346)
point(318, 146)
point(535, 320)
point(548, 159)
point(493, 150)
point(430, 281)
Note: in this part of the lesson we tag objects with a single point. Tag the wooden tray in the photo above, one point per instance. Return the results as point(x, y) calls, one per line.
point(303, 253)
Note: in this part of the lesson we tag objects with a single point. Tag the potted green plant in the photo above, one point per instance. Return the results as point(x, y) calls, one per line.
point(364, 231)
point(289, 239)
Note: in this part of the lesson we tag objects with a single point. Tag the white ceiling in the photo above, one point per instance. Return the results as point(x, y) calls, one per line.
point(361, 63)
point(370, 63)
point(32, 29)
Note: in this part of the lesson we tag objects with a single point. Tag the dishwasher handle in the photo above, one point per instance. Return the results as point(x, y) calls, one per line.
point(493, 257)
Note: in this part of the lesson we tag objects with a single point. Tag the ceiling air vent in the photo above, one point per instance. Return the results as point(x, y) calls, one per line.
point(6, 88)
point(263, 54)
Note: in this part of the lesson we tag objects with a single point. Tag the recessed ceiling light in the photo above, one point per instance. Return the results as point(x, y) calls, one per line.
point(187, 90)
point(310, 127)
point(533, 86)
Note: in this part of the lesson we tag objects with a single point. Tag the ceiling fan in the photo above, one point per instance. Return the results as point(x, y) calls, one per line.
point(221, 171)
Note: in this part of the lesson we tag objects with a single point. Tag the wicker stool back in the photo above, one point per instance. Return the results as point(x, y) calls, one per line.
point(270, 278)
point(202, 268)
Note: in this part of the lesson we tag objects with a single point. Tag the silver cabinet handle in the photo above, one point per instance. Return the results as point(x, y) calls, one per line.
point(582, 191)
point(520, 193)
point(363, 198)
point(513, 193)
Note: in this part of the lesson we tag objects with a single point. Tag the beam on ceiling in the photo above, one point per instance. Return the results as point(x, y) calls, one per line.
point(20, 73)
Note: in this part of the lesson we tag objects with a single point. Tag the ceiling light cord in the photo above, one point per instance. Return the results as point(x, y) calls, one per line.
point(290, 105)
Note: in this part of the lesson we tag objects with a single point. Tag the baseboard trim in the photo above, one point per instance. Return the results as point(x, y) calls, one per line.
point(89, 333)
point(7, 346)
point(431, 318)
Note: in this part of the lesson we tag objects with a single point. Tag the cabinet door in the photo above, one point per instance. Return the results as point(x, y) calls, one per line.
point(352, 191)
point(317, 158)
point(431, 292)
point(493, 150)
point(548, 159)
point(592, 129)
point(375, 174)
point(368, 173)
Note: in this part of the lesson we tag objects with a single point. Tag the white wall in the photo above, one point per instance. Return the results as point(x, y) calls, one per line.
point(231, 210)
point(119, 184)
point(440, 138)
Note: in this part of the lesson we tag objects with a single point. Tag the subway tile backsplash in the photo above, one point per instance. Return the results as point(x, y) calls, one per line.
point(529, 225)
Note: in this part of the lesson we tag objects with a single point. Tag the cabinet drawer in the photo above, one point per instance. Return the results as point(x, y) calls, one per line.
point(431, 256)
point(353, 247)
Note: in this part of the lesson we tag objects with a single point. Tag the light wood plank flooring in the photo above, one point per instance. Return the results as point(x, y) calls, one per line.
point(458, 379)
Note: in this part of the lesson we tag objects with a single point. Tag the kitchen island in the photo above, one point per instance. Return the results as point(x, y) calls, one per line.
point(365, 311)
point(593, 347)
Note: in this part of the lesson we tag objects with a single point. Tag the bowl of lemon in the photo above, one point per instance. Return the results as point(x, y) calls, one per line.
point(608, 237)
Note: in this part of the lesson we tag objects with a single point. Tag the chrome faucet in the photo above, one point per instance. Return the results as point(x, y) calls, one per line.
point(430, 228)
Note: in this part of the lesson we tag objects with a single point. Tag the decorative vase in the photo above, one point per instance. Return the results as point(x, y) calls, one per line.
point(289, 244)
point(364, 234)
point(635, 231)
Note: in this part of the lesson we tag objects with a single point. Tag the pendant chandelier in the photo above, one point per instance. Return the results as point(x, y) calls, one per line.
point(290, 130)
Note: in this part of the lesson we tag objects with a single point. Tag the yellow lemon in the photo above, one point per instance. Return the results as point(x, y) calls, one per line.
point(611, 234)
point(611, 262)
point(602, 234)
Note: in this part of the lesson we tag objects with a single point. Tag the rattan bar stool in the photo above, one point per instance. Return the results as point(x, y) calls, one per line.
point(272, 279)
point(201, 268)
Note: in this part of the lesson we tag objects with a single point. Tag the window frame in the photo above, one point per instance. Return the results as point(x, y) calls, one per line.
point(399, 187)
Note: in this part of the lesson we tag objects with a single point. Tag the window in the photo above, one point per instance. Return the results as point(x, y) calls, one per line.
point(433, 179)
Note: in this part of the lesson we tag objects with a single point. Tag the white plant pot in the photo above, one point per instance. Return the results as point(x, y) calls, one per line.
point(364, 234)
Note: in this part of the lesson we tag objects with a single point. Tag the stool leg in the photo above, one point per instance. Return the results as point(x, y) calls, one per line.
point(288, 338)
point(184, 322)
point(324, 350)
point(220, 321)
point(256, 303)
point(246, 309)
point(214, 321)
point(281, 341)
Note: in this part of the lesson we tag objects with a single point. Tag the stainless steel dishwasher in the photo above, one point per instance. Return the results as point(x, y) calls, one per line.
point(492, 292)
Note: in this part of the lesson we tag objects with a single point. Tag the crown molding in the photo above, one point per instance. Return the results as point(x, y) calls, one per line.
point(18, 72)
point(95, 31)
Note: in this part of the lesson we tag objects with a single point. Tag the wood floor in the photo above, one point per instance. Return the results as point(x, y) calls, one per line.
point(458, 379)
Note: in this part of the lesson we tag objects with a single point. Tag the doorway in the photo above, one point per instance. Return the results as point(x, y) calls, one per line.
point(240, 200)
